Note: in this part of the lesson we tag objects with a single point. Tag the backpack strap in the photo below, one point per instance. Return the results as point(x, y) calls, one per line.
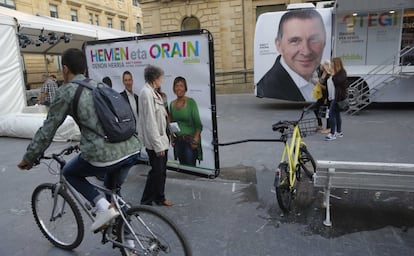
point(82, 83)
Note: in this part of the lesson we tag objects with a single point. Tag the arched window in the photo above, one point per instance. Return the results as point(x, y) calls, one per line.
point(138, 28)
point(190, 23)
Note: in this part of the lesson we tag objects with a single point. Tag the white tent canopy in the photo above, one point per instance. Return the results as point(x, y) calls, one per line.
point(17, 120)
point(33, 25)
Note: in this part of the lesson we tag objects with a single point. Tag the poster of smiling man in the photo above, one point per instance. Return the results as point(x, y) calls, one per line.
point(187, 88)
point(288, 47)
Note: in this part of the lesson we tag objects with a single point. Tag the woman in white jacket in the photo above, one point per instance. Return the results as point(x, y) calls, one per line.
point(152, 128)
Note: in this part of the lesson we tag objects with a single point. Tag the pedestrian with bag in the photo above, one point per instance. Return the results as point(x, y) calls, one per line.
point(153, 129)
point(323, 76)
point(338, 91)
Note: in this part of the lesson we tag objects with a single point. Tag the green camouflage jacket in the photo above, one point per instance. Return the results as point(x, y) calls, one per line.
point(93, 147)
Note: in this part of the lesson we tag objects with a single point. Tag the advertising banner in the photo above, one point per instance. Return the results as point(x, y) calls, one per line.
point(288, 48)
point(362, 37)
point(185, 55)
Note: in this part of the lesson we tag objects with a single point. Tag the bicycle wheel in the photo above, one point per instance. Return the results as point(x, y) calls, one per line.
point(284, 194)
point(156, 233)
point(64, 227)
point(306, 162)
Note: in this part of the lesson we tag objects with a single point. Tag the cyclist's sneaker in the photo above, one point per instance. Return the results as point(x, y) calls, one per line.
point(130, 243)
point(103, 217)
point(330, 136)
point(339, 134)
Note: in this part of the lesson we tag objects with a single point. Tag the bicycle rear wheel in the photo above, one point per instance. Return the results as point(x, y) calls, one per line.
point(284, 194)
point(156, 233)
point(306, 162)
point(62, 226)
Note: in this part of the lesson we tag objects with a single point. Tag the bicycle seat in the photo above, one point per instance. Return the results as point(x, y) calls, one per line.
point(280, 126)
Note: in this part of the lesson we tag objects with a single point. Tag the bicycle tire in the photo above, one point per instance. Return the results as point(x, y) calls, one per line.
point(156, 232)
point(66, 231)
point(307, 162)
point(284, 195)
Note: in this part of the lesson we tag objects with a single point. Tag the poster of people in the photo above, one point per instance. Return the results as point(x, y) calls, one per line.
point(185, 59)
point(288, 47)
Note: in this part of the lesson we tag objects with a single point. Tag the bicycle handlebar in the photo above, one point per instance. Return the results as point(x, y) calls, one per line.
point(56, 156)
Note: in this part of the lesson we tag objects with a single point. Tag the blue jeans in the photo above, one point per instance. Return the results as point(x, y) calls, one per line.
point(77, 169)
point(185, 153)
point(335, 118)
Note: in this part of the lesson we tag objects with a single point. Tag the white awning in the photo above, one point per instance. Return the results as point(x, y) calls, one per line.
point(78, 32)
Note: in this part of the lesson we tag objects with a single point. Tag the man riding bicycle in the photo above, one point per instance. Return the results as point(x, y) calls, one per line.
point(97, 155)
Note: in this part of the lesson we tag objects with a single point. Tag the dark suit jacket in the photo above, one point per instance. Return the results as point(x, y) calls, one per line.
point(125, 95)
point(277, 83)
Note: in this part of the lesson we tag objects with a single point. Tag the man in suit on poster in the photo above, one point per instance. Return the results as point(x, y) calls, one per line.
point(129, 94)
point(300, 41)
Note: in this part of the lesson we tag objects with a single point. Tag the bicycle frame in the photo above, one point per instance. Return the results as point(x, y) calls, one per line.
point(291, 154)
point(87, 208)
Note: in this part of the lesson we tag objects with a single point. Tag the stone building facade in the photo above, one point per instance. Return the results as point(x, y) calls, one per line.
point(231, 23)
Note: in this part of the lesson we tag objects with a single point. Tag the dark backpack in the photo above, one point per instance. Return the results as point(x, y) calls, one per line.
point(113, 111)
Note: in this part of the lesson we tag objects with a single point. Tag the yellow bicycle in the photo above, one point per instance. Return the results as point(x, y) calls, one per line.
point(295, 157)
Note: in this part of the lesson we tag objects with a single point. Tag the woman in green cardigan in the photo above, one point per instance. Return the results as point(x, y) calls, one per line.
point(184, 111)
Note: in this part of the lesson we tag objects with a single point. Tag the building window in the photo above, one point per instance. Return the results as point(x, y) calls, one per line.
point(90, 18)
point(138, 28)
point(135, 3)
point(122, 25)
point(74, 15)
point(97, 20)
point(8, 3)
point(109, 22)
point(190, 23)
point(53, 11)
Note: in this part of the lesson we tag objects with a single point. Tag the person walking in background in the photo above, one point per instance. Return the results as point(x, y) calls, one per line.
point(48, 90)
point(54, 78)
point(184, 111)
point(323, 76)
point(153, 130)
point(337, 88)
point(106, 80)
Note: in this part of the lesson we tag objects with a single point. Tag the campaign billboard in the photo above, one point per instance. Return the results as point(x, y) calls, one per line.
point(187, 55)
point(288, 47)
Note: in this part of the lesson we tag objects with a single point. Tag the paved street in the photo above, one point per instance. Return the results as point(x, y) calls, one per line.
point(237, 213)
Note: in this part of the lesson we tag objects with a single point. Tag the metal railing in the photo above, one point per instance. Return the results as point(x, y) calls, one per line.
point(361, 95)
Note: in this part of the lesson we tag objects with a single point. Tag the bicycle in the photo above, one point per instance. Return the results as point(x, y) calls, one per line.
point(295, 156)
point(138, 230)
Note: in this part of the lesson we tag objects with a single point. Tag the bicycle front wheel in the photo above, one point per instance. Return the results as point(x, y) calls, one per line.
point(57, 216)
point(156, 234)
point(306, 162)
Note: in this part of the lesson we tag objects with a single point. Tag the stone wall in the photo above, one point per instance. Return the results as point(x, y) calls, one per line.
point(232, 24)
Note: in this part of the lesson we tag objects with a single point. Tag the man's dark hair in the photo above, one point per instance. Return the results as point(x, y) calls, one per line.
point(75, 60)
point(107, 81)
point(126, 73)
point(152, 72)
point(299, 14)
